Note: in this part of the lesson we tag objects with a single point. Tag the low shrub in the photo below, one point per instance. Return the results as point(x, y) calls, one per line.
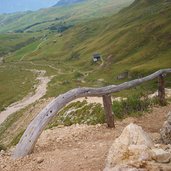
point(84, 113)
point(81, 113)
point(134, 105)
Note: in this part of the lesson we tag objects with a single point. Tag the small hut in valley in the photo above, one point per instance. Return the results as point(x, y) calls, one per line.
point(96, 57)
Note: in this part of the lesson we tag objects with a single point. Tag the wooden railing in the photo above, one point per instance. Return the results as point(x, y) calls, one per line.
point(35, 128)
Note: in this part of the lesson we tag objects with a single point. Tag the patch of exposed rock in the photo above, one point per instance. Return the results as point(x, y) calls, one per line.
point(135, 151)
point(165, 132)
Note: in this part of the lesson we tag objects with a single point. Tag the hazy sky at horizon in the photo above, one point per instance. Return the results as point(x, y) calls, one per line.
point(9, 6)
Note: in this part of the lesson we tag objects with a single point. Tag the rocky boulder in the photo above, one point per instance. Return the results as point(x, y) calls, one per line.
point(165, 132)
point(135, 151)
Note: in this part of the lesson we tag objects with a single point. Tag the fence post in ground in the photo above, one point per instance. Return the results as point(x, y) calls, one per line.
point(107, 102)
point(161, 90)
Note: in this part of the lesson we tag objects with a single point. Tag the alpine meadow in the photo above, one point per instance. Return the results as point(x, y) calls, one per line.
point(75, 44)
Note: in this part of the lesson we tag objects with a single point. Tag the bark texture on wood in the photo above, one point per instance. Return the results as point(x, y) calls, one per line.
point(35, 128)
point(161, 90)
point(107, 102)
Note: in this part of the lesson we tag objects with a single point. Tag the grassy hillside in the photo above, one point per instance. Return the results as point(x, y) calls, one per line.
point(23, 46)
point(46, 18)
point(11, 42)
point(15, 83)
point(136, 40)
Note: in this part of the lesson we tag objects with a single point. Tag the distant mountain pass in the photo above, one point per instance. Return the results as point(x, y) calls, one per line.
point(68, 2)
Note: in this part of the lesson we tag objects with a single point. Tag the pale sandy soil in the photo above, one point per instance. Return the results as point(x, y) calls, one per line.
point(40, 91)
point(97, 99)
point(100, 100)
point(167, 91)
point(80, 147)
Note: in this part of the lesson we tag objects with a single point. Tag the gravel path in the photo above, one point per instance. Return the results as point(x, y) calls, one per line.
point(40, 91)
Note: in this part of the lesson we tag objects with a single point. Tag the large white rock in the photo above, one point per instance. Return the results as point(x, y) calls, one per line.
point(134, 135)
point(132, 142)
point(133, 151)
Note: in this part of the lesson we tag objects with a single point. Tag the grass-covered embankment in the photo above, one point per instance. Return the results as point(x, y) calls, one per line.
point(15, 83)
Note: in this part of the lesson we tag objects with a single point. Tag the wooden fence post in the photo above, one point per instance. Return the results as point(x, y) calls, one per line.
point(107, 102)
point(161, 90)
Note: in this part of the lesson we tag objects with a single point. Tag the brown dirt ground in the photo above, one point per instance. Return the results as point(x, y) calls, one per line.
point(79, 147)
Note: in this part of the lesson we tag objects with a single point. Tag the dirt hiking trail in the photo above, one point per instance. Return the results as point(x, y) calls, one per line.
point(40, 91)
point(80, 147)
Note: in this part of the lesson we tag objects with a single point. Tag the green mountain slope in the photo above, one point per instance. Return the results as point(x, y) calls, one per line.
point(135, 41)
point(138, 33)
point(41, 29)
point(12, 42)
point(45, 18)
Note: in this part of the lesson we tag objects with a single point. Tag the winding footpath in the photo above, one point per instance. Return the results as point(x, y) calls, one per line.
point(40, 91)
point(38, 46)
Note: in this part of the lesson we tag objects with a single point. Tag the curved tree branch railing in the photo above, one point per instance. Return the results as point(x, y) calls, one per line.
point(35, 128)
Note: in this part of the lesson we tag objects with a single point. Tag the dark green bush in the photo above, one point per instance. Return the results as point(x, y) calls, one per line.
point(133, 106)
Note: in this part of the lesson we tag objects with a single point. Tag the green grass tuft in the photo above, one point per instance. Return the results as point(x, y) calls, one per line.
point(79, 113)
point(134, 105)
point(16, 139)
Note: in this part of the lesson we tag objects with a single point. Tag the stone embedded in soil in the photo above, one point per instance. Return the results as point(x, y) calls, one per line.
point(165, 132)
point(39, 160)
point(3, 166)
point(2, 153)
point(161, 156)
point(60, 126)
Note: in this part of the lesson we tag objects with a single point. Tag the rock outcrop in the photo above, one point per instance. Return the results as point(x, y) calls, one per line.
point(135, 151)
point(165, 132)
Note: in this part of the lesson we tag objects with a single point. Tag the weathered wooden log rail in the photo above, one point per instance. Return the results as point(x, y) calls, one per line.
point(35, 128)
